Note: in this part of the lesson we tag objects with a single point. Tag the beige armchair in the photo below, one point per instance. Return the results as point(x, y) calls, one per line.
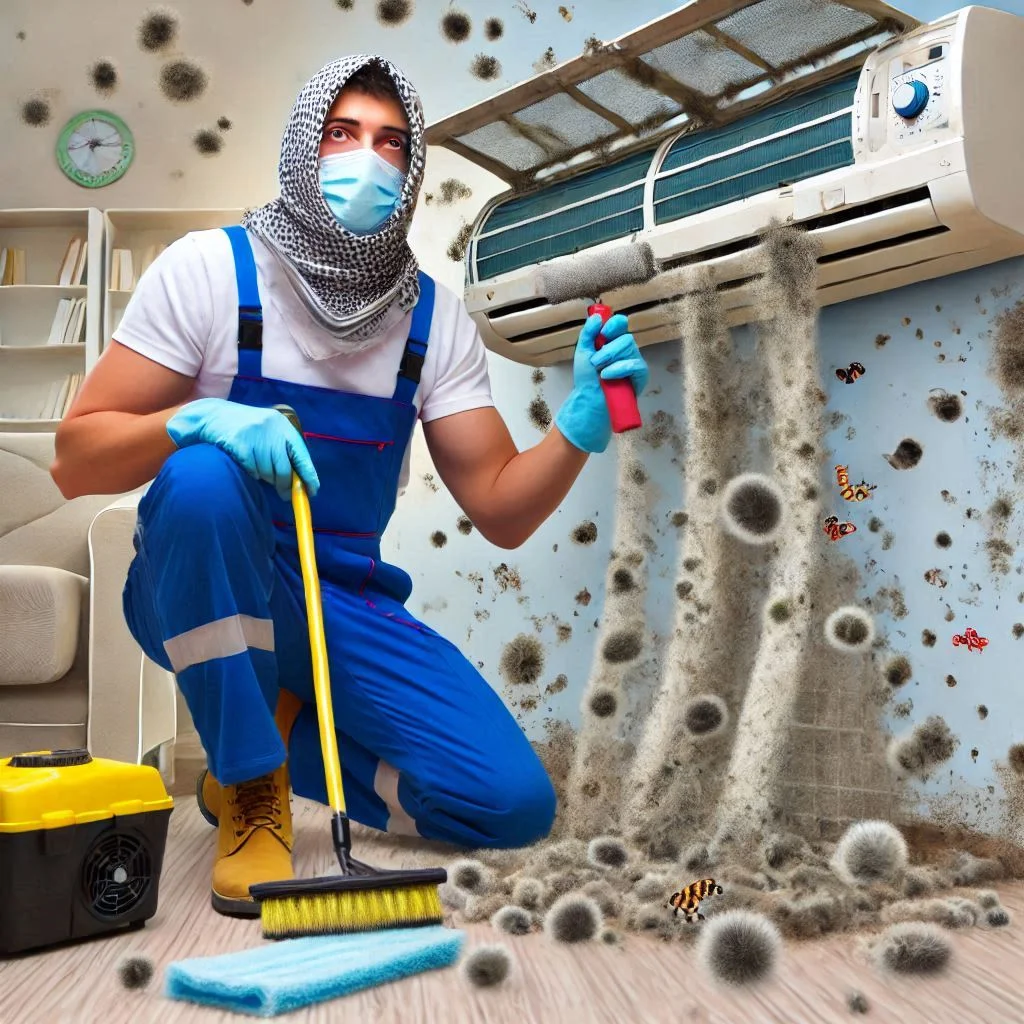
point(71, 674)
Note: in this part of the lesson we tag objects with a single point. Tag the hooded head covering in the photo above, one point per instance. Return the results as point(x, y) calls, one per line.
point(355, 286)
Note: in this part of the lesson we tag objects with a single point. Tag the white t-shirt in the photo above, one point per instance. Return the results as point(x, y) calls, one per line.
point(184, 315)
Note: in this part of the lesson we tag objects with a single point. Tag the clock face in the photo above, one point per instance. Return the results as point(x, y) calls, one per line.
point(95, 148)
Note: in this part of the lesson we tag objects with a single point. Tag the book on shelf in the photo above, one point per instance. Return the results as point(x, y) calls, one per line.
point(72, 268)
point(126, 268)
point(59, 396)
point(12, 266)
point(68, 327)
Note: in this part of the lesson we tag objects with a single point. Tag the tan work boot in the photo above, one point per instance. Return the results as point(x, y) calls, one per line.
point(254, 840)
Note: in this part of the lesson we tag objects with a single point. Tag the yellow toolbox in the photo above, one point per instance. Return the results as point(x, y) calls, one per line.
point(81, 846)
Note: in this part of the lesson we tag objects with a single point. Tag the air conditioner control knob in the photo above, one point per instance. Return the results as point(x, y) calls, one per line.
point(910, 98)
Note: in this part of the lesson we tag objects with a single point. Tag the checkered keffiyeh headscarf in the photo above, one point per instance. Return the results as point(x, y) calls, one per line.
point(356, 287)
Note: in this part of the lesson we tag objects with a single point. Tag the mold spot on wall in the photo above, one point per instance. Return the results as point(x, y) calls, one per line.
point(936, 578)
point(943, 539)
point(563, 631)
point(428, 479)
point(439, 538)
point(1018, 630)
point(780, 611)
point(583, 597)
point(752, 506)
point(1015, 758)
point(927, 746)
point(207, 142)
point(849, 629)
point(539, 413)
point(881, 339)
point(450, 191)
point(897, 671)
point(393, 12)
point(1008, 349)
point(157, 30)
point(982, 712)
point(507, 578)
point(683, 589)
point(623, 581)
point(464, 525)
point(1000, 553)
point(35, 113)
point(224, 124)
point(928, 638)
point(947, 407)
point(103, 76)
point(21, 36)
point(603, 703)
point(679, 519)
point(537, 377)
point(622, 646)
point(907, 455)
point(919, 334)
point(345, 5)
point(585, 533)
point(494, 29)
point(456, 250)
point(485, 67)
point(951, 681)
point(182, 81)
point(560, 683)
point(456, 25)
point(709, 486)
point(705, 715)
point(522, 660)
point(546, 61)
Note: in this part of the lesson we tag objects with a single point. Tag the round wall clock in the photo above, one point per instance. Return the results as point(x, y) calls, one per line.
point(95, 148)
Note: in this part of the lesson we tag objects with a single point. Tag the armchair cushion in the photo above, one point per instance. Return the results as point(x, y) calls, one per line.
point(40, 613)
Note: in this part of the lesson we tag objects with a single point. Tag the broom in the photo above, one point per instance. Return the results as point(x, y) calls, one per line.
point(361, 898)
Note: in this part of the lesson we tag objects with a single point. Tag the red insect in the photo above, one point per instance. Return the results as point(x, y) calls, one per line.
point(835, 529)
point(849, 375)
point(970, 639)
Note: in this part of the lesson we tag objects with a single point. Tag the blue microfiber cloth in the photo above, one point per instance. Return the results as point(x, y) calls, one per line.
point(283, 976)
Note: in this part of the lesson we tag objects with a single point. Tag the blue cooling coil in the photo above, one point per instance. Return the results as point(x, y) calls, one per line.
point(775, 146)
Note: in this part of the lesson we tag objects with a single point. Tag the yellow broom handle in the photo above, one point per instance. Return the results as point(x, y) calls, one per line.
point(318, 645)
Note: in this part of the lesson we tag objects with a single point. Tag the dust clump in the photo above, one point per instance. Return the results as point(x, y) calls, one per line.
point(870, 851)
point(918, 753)
point(393, 12)
point(585, 533)
point(522, 660)
point(485, 67)
point(913, 948)
point(157, 30)
point(135, 972)
point(546, 61)
point(182, 81)
point(997, 917)
point(739, 947)
point(573, 918)
point(513, 920)
point(471, 876)
point(607, 852)
point(103, 76)
point(856, 1002)
point(946, 406)
point(907, 454)
point(539, 413)
point(486, 966)
point(457, 247)
point(456, 25)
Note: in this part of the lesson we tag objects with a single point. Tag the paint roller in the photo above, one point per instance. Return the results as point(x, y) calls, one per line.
point(587, 277)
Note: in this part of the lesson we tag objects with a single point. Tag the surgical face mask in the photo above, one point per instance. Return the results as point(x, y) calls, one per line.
point(361, 188)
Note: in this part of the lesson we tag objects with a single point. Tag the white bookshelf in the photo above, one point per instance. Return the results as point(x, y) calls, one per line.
point(29, 366)
point(138, 231)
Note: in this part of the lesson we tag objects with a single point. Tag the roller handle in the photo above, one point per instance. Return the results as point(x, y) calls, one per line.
point(619, 395)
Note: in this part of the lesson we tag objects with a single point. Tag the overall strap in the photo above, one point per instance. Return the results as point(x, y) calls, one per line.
point(250, 310)
point(411, 366)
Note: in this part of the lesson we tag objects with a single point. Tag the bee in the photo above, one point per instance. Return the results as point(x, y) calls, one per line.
point(855, 492)
point(688, 900)
point(835, 529)
point(849, 375)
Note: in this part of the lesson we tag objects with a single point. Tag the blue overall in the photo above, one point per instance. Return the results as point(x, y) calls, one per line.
point(215, 595)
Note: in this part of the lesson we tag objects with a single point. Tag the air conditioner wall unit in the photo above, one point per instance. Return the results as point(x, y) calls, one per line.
point(906, 170)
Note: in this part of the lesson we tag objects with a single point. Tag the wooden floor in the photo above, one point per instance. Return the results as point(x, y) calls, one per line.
point(643, 980)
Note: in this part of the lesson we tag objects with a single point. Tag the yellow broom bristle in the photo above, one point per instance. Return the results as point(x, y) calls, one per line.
point(358, 910)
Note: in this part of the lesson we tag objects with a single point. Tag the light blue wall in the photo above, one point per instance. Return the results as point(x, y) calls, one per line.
point(888, 404)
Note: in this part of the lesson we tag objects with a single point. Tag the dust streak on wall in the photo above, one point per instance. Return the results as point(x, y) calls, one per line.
point(788, 351)
point(669, 783)
point(602, 753)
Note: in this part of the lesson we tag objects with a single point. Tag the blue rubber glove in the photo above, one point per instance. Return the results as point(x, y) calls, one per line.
point(261, 441)
point(583, 418)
